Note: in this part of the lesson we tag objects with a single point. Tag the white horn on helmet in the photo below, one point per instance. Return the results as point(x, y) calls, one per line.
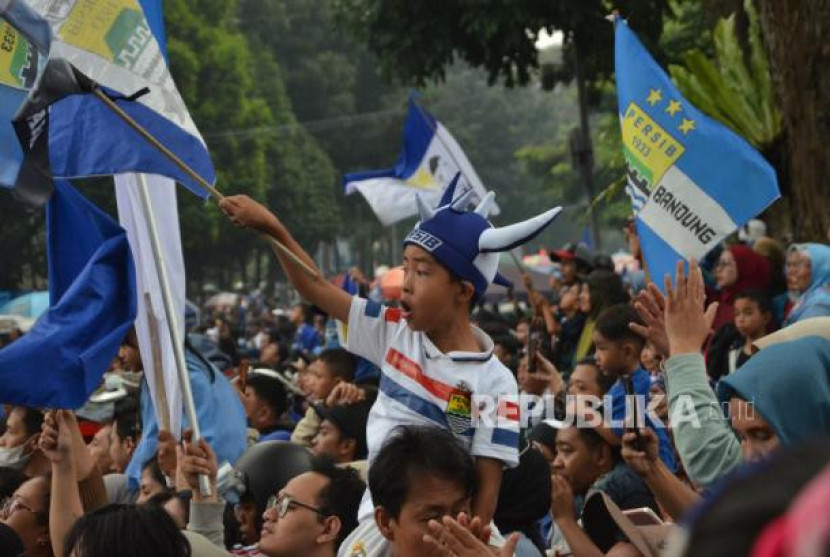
point(508, 237)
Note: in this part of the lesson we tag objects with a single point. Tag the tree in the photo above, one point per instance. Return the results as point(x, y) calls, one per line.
point(417, 41)
point(795, 33)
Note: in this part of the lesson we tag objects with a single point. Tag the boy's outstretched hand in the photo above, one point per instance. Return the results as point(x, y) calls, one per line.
point(247, 213)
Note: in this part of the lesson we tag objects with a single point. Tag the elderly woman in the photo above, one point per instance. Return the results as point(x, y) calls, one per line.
point(808, 270)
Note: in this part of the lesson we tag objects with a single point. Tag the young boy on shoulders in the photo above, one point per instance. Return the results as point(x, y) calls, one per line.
point(432, 359)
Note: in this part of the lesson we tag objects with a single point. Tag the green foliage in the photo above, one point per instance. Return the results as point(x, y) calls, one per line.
point(727, 89)
point(417, 42)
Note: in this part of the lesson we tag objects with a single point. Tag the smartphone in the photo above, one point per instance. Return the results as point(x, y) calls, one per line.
point(533, 341)
point(629, 391)
point(643, 516)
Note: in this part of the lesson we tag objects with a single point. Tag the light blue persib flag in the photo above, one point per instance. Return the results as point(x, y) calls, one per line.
point(692, 181)
point(430, 158)
point(26, 40)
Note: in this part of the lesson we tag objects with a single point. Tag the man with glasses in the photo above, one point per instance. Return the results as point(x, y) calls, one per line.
point(313, 513)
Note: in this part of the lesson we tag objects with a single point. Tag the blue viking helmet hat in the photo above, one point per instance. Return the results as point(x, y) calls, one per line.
point(465, 241)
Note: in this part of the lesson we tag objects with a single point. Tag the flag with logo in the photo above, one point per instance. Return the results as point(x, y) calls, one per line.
point(108, 45)
point(692, 181)
point(25, 40)
point(431, 157)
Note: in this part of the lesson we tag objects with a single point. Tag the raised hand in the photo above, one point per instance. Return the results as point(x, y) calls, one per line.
point(345, 393)
point(546, 371)
point(195, 459)
point(687, 324)
point(651, 306)
point(247, 213)
point(56, 437)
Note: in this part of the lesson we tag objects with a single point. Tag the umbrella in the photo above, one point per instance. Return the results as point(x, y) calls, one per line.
point(28, 305)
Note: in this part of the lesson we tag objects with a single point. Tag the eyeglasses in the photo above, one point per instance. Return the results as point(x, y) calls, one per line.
point(14, 504)
point(723, 264)
point(284, 502)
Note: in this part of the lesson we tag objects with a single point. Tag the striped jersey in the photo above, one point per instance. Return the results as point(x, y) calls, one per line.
point(420, 385)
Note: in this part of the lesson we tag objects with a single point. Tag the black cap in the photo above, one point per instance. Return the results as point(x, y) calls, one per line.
point(351, 420)
point(572, 252)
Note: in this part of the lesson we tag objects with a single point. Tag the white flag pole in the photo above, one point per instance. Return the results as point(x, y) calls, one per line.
point(173, 322)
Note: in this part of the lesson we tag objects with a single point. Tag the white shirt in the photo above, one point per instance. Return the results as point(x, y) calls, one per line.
point(420, 385)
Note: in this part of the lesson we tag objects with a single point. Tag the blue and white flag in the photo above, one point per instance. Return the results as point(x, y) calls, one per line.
point(692, 181)
point(61, 360)
point(431, 157)
point(111, 42)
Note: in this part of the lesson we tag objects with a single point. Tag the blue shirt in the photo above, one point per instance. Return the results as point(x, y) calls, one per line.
point(306, 339)
point(218, 409)
point(642, 383)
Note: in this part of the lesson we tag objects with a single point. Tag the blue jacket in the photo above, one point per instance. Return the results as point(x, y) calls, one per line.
point(642, 383)
point(218, 409)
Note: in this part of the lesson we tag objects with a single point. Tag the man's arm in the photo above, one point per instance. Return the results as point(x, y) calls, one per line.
point(488, 478)
point(244, 211)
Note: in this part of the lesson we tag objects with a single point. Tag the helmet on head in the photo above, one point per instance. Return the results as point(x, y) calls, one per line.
point(465, 241)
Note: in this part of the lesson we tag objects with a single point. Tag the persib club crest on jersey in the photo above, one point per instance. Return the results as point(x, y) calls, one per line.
point(460, 409)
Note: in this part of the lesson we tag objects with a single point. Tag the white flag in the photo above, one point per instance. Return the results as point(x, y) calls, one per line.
point(151, 322)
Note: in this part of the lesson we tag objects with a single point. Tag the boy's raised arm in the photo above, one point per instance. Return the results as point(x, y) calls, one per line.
point(247, 213)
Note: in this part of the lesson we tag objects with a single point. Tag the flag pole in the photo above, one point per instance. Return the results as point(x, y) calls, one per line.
point(183, 166)
point(162, 406)
point(172, 322)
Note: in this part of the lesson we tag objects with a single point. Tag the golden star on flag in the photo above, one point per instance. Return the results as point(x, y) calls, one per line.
point(674, 107)
point(654, 96)
point(686, 126)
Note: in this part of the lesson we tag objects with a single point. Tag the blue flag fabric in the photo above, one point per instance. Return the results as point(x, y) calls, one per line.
point(68, 132)
point(86, 139)
point(92, 294)
point(692, 181)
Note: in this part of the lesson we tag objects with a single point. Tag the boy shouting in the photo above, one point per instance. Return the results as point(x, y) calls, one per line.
point(432, 359)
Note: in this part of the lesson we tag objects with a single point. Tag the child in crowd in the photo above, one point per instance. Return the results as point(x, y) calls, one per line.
point(753, 315)
point(331, 368)
point(732, 346)
point(432, 360)
point(618, 351)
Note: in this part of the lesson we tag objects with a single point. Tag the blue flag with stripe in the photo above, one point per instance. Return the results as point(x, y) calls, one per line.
point(692, 181)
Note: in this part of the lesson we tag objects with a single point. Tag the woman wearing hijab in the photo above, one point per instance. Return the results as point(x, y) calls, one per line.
point(738, 269)
point(813, 269)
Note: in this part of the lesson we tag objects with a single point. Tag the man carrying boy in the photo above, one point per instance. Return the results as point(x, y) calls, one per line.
point(432, 360)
